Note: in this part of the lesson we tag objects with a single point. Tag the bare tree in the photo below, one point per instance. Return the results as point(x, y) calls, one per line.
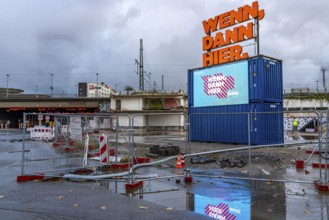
point(128, 89)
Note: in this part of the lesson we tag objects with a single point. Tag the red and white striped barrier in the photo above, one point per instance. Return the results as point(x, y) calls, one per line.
point(47, 134)
point(33, 133)
point(53, 132)
point(103, 150)
point(86, 149)
point(64, 129)
point(42, 133)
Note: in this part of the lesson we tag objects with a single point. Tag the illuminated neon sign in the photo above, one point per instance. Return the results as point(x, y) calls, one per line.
point(226, 39)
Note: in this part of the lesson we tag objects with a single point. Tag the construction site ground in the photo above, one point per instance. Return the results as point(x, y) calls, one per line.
point(278, 190)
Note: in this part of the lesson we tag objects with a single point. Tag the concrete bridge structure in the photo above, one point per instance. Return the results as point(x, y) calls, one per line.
point(305, 104)
point(13, 108)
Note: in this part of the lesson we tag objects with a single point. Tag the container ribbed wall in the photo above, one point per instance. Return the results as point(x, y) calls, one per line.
point(229, 124)
point(265, 80)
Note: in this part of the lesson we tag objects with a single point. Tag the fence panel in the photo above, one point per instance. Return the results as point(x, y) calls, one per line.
point(256, 137)
point(228, 141)
point(54, 144)
point(160, 135)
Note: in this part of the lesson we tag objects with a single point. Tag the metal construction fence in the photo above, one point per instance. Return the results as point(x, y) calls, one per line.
point(264, 140)
point(60, 144)
point(56, 145)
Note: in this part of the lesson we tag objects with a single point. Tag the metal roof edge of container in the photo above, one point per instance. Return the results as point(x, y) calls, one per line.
point(249, 58)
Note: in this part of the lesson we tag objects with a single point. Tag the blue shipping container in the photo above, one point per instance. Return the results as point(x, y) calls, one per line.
point(263, 83)
point(265, 79)
point(229, 124)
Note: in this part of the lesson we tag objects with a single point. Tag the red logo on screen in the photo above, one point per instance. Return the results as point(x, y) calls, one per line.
point(218, 85)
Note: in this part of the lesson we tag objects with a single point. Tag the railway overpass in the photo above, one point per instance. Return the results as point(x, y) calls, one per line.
point(12, 109)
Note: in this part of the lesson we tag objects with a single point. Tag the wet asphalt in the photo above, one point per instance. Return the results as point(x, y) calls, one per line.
point(168, 198)
point(67, 199)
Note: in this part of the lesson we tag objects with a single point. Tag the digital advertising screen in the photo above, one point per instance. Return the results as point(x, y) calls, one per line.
point(222, 85)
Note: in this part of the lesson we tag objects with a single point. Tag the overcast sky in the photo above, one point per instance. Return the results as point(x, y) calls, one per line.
point(75, 39)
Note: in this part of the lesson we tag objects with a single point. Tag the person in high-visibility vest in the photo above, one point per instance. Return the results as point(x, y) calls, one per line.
point(295, 125)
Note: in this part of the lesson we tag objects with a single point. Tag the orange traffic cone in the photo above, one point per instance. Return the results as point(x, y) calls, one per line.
point(178, 163)
point(183, 160)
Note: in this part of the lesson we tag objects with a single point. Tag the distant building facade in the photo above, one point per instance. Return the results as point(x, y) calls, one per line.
point(94, 90)
point(151, 111)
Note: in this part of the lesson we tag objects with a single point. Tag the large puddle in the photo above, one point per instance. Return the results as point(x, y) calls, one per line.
point(229, 198)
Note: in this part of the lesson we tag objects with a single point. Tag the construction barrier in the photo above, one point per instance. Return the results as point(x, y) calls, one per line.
point(103, 149)
point(86, 149)
point(42, 133)
point(68, 154)
point(71, 143)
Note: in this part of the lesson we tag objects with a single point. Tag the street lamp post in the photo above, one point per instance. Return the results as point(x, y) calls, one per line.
point(7, 84)
point(97, 85)
point(317, 86)
point(36, 91)
point(51, 84)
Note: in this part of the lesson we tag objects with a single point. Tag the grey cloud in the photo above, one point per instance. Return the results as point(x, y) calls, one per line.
point(74, 39)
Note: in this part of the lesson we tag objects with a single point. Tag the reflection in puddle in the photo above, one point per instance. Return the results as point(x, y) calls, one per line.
point(230, 198)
